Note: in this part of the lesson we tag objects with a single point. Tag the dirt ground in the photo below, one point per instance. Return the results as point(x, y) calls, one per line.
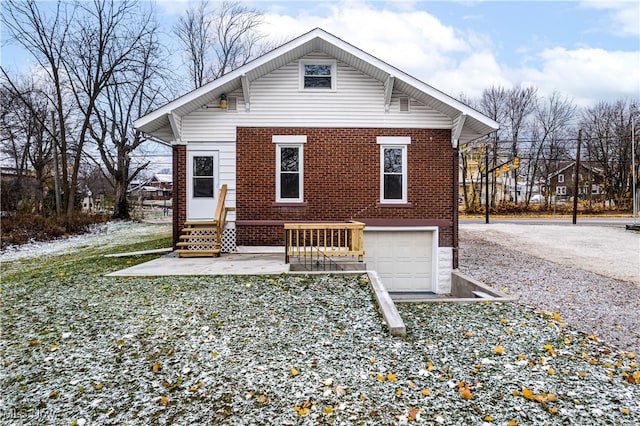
point(610, 251)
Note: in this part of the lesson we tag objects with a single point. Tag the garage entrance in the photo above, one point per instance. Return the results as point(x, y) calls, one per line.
point(404, 257)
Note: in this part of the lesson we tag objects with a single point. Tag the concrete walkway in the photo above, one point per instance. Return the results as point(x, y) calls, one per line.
point(266, 263)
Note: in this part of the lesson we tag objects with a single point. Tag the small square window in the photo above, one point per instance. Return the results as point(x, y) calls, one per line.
point(317, 75)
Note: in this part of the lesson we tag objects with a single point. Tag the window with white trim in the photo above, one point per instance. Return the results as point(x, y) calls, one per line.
point(561, 190)
point(317, 74)
point(393, 168)
point(560, 178)
point(203, 177)
point(289, 168)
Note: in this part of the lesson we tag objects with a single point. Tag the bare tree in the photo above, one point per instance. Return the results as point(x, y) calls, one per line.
point(133, 93)
point(493, 103)
point(82, 47)
point(193, 31)
point(219, 40)
point(26, 140)
point(551, 129)
point(607, 129)
point(520, 103)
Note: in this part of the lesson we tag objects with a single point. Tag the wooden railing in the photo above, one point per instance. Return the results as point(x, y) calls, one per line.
point(330, 239)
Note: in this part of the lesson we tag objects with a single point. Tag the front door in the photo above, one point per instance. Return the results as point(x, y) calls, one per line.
point(202, 184)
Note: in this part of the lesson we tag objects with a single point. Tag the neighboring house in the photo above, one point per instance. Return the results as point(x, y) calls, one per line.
point(320, 131)
point(561, 184)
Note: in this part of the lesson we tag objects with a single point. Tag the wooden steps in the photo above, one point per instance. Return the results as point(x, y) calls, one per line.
point(203, 238)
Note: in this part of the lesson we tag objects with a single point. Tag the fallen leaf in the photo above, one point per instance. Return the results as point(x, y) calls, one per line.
point(294, 372)
point(527, 393)
point(465, 392)
point(425, 392)
point(413, 414)
point(392, 377)
point(156, 367)
point(499, 350)
point(163, 401)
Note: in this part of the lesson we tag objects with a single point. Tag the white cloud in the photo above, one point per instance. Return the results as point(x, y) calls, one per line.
point(623, 17)
point(414, 41)
point(588, 75)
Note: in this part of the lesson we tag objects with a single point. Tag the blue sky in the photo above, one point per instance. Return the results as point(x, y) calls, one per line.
point(587, 50)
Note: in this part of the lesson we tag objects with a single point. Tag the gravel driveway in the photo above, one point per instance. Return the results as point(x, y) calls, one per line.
point(590, 275)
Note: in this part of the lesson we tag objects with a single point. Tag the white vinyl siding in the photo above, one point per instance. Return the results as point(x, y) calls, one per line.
point(277, 101)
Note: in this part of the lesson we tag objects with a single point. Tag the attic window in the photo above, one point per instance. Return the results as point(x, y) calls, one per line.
point(404, 104)
point(317, 75)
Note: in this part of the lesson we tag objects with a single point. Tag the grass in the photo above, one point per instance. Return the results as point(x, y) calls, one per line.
point(80, 348)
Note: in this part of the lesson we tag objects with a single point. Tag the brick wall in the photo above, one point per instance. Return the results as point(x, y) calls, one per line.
point(342, 181)
point(179, 190)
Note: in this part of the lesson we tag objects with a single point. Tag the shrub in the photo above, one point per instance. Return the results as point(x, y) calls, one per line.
point(24, 227)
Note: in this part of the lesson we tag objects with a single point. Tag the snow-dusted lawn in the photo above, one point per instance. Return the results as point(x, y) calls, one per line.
point(80, 348)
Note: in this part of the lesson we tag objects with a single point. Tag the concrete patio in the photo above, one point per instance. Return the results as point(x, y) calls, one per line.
point(258, 261)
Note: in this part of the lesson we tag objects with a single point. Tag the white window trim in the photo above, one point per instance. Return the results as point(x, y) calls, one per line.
point(394, 142)
point(289, 141)
point(560, 178)
point(334, 71)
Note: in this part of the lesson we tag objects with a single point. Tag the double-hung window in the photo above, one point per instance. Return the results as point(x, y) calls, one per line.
point(290, 168)
point(317, 74)
point(203, 178)
point(393, 168)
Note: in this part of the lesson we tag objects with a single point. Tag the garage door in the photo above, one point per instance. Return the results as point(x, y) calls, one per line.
point(404, 258)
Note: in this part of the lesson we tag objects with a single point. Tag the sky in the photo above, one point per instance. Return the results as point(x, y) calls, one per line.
point(586, 50)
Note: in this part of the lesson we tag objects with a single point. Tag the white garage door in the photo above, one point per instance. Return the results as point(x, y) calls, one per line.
point(404, 258)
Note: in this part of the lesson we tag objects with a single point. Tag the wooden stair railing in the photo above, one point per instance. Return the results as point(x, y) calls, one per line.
point(203, 238)
point(330, 239)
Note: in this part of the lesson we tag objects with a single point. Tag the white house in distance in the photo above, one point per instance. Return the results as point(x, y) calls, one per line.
point(319, 131)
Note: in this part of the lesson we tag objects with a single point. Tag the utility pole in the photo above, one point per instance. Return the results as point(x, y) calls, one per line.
point(486, 185)
point(634, 195)
point(576, 184)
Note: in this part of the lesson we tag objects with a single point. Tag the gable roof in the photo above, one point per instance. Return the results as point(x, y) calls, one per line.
point(468, 124)
point(571, 165)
